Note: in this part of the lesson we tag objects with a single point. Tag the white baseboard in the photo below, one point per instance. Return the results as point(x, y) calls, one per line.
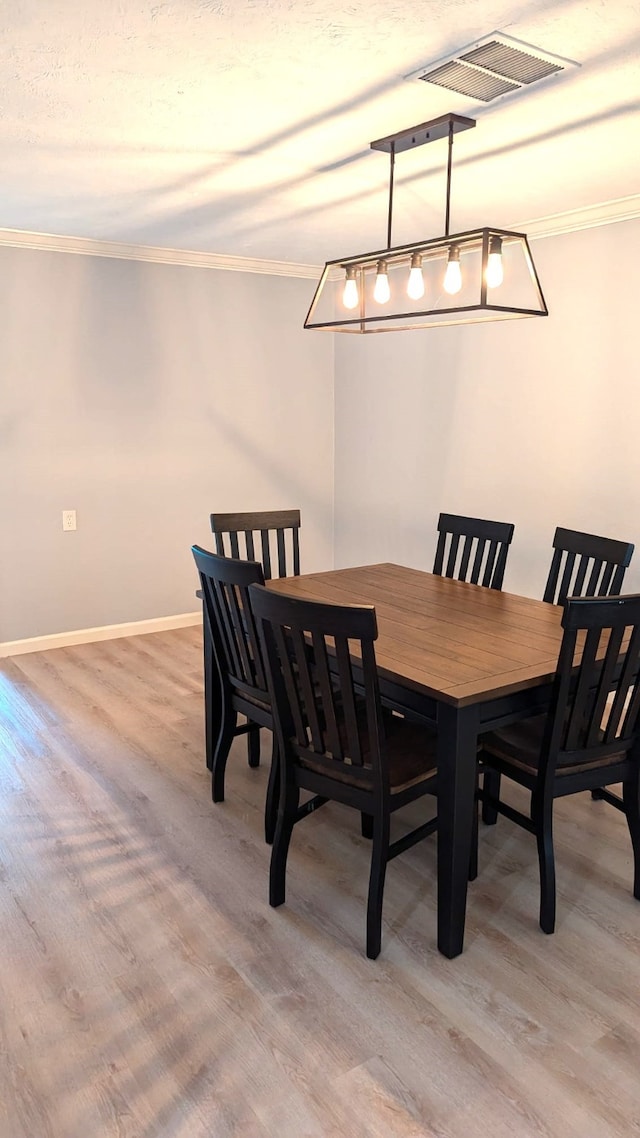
point(105, 632)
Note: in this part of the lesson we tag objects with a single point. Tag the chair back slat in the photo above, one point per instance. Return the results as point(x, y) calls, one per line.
point(323, 680)
point(464, 562)
point(585, 565)
point(282, 560)
point(596, 703)
point(577, 587)
point(236, 536)
point(241, 633)
point(618, 578)
point(439, 557)
point(482, 558)
point(225, 583)
point(453, 553)
point(579, 707)
point(266, 554)
point(632, 699)
point(616, 717)
point(552, 580)
point(312, 706)
point(567, 575)
point(599, 579)
point(320, 714)
point(353, 742)
point(229, 616)
point(602, 703)
point(490, 563)
point(295, 719)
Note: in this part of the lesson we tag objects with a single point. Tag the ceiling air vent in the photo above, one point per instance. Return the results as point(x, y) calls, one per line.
point(492, 68)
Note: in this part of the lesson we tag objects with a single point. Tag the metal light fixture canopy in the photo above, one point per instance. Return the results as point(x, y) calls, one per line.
point(474, 276)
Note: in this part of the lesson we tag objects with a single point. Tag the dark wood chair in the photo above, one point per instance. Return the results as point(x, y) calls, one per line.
point(589, 738)
point(334, 742)
point(472, 549)
point(242, 685)
point(270, 536)
point(584, 565)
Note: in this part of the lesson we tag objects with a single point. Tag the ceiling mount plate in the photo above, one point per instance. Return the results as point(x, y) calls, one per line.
point(425, 132)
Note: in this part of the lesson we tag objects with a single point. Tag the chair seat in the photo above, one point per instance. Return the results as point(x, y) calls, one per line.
point(520, 745)
point(411, 753)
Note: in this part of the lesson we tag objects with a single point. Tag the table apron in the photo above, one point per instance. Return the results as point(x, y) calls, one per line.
point(491, 713)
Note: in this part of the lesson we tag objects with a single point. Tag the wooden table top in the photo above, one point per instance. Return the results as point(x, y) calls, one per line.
point(458, 643)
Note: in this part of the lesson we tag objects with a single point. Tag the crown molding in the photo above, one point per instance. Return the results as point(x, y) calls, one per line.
point(588, 217)
point(88, 247)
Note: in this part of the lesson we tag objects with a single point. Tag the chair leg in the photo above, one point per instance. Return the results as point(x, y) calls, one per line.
point(366, 825)
point(491, 789)
point(253, 745)
point(379, 857)
point(631, 799)
point(273, 795)
point(597, 794)
point(279, 850)
point(543, 817)
point(221, 754)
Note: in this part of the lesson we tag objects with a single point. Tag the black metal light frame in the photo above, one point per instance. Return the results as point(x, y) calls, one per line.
point(359, 322)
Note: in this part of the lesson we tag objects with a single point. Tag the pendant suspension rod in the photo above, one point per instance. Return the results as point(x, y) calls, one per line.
point(448, 205)
point(392, 161)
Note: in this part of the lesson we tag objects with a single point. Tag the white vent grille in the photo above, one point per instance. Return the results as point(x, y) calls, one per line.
point(492, 68)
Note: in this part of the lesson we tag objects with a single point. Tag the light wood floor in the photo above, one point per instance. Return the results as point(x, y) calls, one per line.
point(148, 990)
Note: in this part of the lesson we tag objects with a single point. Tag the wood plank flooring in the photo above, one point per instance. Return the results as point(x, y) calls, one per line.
point(147, 990)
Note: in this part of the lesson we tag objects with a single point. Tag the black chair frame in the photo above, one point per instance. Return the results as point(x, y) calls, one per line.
point(585, 565)
point(482, 558)
point(241, 681)
point(254, 530)
point(590, 738)
point(240, 535)
point(325, 728)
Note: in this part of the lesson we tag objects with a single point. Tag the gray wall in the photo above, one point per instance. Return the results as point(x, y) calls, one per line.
point(144, 396)
point(532, 421)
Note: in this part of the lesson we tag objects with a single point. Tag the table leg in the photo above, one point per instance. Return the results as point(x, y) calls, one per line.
point(457, 743)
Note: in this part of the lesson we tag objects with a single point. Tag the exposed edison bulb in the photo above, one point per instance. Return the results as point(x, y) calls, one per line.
point(495, 273)
point(453, 276)
point(415, 286)
point(382, 292)
point(350, 295)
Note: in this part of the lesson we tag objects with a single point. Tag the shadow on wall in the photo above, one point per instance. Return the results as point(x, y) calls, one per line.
point(296, 491)
point(398, 398)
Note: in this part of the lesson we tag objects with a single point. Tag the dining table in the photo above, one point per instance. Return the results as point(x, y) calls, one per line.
point(464, 658)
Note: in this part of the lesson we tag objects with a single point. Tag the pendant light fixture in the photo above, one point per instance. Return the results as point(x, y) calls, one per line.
point(460, 278)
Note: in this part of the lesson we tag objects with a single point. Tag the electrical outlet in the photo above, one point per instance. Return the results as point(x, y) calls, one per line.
point(68, 520)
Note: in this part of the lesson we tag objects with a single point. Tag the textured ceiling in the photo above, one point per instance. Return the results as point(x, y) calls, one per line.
point(243, 126)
